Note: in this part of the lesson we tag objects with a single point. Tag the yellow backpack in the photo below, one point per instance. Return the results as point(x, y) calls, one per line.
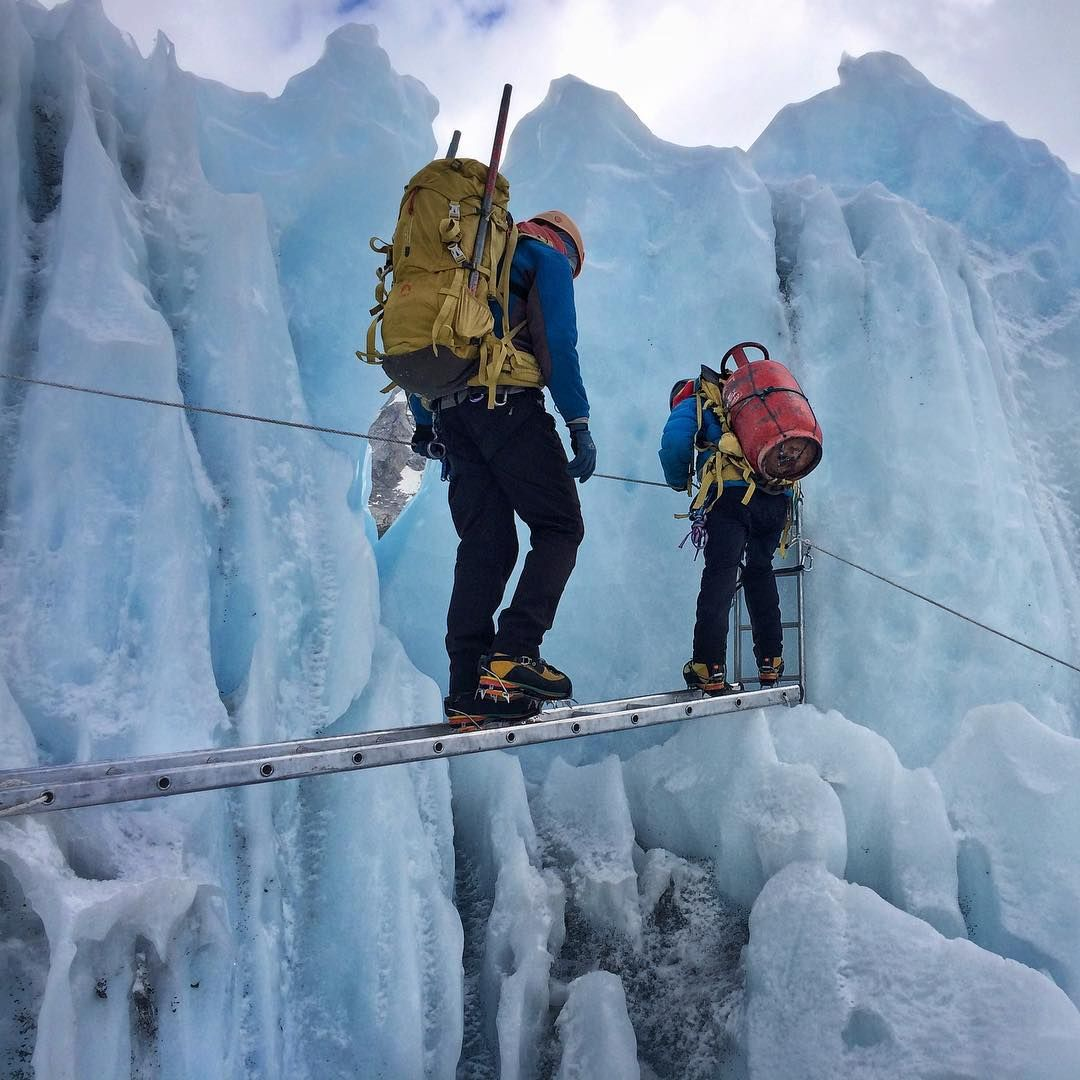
point(438, 336)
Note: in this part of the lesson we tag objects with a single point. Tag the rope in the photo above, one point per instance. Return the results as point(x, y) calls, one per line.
point(259, 419)
point(19, 808)
point(944, 607)
point(602, 476)
point(203, 409)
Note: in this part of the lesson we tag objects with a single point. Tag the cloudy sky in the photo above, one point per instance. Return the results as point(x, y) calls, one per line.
point(696, 71)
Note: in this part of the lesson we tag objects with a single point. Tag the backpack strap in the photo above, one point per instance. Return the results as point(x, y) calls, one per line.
point(495, 351)
point(727, 453)
point(371, 355)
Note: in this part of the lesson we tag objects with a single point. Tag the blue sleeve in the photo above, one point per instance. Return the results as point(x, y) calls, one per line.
point(552, 317)
point(677, 443)
point(421, 415)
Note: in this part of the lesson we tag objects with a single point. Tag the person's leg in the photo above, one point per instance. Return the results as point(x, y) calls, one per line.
point(486, 554)
point(530, 469)
point(727, 533)
point(768, 514)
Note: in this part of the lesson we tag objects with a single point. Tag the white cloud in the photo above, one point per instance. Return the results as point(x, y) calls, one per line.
point(695, 71)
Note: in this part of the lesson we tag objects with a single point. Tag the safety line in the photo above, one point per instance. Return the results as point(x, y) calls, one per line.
point(260, 419)
point(811, 546)
point(603, 476)
point(202, 409)
point(23, 807)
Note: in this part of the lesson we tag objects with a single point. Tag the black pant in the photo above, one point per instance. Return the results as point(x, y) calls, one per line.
point(506, 461)
point(732, 529)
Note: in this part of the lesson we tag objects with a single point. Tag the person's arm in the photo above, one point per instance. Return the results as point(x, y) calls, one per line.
point(421, 414)
point(677, 444)
point(552, 318)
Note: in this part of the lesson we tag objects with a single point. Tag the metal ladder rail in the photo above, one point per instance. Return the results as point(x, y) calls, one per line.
point(66, 787)
point(93, 770)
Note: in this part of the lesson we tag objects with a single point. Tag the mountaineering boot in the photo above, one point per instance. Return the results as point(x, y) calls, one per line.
point(476, 709)
point(769, 671)
point(501, 674)
point(708, 678)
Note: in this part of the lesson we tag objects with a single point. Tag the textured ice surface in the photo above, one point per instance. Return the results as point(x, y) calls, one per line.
point(716, 790)
point(525, 928)
point(900, 842)
point(586, 820)
point(172, 581)
point(1012, 787)
point(597, 1038)
point(839, 983)
point(176, 581)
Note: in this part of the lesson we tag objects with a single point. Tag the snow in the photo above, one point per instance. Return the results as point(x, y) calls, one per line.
point(898, 857)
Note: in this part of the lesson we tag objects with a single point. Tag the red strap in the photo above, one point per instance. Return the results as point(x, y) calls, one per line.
point(681, 395)
point(542, 233)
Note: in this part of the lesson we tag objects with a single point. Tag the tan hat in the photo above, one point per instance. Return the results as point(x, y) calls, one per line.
point(559, 220)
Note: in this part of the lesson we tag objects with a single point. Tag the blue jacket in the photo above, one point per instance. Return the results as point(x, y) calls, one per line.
point(677, 442)
point(542, 296)
point(677, 445)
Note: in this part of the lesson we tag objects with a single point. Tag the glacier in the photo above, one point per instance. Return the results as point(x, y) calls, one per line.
point(881, 882)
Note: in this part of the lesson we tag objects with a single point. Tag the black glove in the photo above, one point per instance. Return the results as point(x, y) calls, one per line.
point(584, 463)
point(423, 442)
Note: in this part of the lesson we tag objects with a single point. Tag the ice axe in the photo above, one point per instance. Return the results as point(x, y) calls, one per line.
point(489, 188)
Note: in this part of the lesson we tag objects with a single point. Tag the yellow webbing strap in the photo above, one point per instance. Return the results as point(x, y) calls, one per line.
point(494, 350)
point(443, 329)
point(370, 350)
point(727, 453)
point(380, 247)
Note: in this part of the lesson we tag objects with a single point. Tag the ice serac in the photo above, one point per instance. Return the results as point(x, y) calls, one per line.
point(1012, 787)
point(930, 260)
point(584, 816)
point(524, 929)
point(900, 841)
point(839, 983)
point(597, 1038)
point(330, 158)
point(716, 790)
point(171, 581)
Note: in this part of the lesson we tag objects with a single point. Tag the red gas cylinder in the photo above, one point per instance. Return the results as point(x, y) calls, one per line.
point(770, 415)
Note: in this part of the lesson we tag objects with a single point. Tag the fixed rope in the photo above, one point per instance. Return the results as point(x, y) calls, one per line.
point(944, 607)
point(202, 409)
point(603, 476)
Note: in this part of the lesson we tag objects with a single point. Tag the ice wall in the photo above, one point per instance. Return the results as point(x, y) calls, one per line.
point(929, 261)
point(178, 581)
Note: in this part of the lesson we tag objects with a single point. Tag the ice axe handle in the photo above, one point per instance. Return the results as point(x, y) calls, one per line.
point(489, 187)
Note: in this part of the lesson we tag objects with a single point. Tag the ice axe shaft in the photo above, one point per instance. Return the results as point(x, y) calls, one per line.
point(489, 188)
